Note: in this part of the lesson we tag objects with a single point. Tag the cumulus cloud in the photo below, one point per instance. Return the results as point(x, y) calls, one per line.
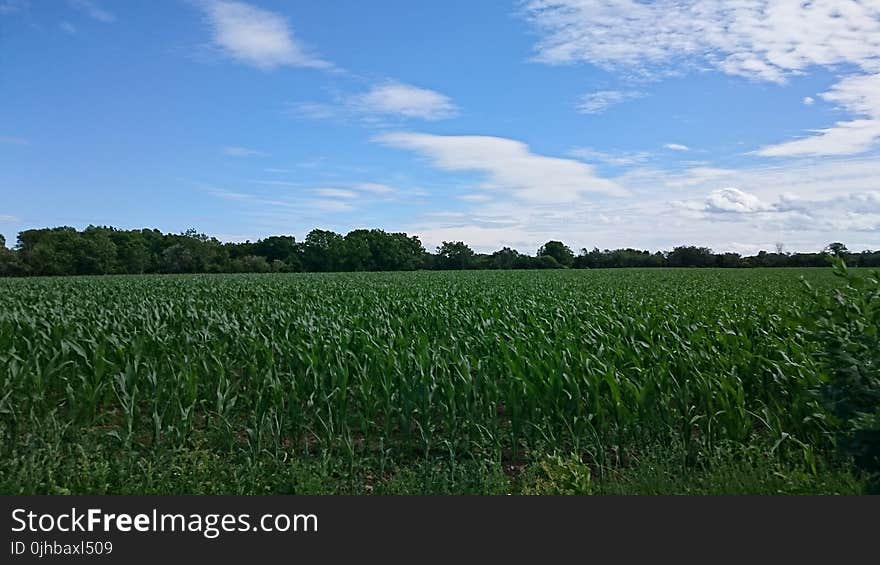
point(851, 212)
point(599, 101)
point(734, 200)
point(508, 165)
point(257, 37)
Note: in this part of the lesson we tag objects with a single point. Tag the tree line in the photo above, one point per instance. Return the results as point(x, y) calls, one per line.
point(99, 250)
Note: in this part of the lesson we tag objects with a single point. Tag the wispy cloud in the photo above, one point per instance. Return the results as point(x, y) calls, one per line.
point(8, 218)
point(859, 95)
point(336, 193)
point(93, 10)
point(67, 27)
point(374, 188)
point(12, 6)
point(508, 165)
point(599, 101)
point(326, 205)
point(762, 40)
point(399, 99)
point(237, 151)
point(618, 158)
point(475, 197)
point(257, 37)
point(313, 110)
point(676, 147)
point(390, 99)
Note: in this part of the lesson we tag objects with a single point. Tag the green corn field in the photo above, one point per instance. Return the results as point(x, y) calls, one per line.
point(107, 383)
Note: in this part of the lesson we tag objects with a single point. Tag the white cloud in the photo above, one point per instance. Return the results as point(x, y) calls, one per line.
point(389, 99)
point(374, 188)
point(764, 40)
point(236, 151)
point(734, 200)
point(93, 10)
point(859, 95)
point(67, 27)
point(677, 147)
point(475, 197)
point(853, 212)
point(619, 158)
point(8, 218)
point(803, 203)
point(696, 176)
point(336, 193)
point(809, 100)
point(398, 99)
point(599, 101)
point(257, 37)
point(508, 165)
point(761, 39)
point(845, 138)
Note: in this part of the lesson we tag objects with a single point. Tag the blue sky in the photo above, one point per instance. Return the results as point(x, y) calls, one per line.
point(736, 125)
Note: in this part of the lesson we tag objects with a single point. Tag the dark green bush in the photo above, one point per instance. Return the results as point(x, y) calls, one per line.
point(846, 324)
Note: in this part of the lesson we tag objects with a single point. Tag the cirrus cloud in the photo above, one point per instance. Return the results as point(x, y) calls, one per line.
point(599, 101)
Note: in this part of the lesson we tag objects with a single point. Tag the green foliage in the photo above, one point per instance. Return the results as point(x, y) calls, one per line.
point(102, 250)
point(690, 256)
point(556, 474)
point(454, 255)
point(560, 252)
point(847, 326)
